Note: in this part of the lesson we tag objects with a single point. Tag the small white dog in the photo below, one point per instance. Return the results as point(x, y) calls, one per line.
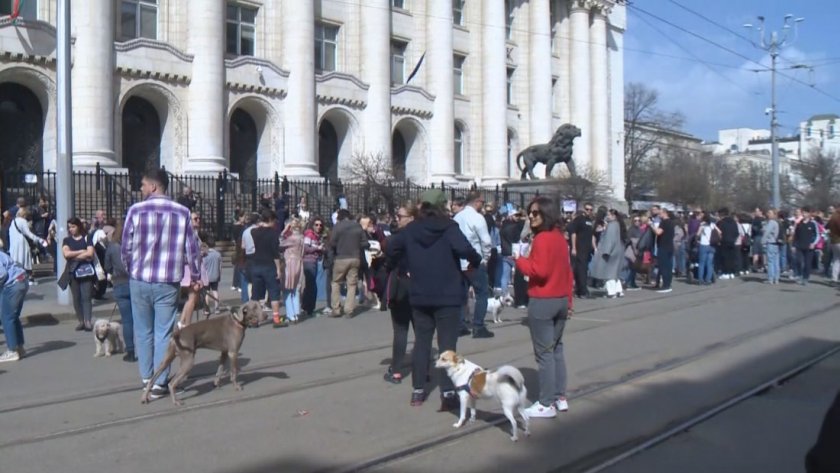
point(506, 384)
point(494, 307)
point(108, 334)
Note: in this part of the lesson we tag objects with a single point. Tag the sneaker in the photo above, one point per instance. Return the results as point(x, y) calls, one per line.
point(449, 402)
point(158, 392)
point(561, 405)
point(129, 356)
point(327, 311)
point(633, 288)
point(418, 396)
point(664, 291)
point(482, 332)
point(538, 410)
point(464, 331)
point(9, 356)
point(21, 351)
point(233, 288)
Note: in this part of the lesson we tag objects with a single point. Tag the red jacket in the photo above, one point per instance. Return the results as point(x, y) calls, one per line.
point(548, 267)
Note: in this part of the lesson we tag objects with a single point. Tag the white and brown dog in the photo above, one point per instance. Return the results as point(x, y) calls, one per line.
point(108, 336)
point(495, 305)
point(505, 384)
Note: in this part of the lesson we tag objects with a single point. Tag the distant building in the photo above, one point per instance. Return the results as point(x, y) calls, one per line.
point(752, 141)
point(820, 133)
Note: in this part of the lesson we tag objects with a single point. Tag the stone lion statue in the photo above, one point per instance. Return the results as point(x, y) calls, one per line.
point(557, 150)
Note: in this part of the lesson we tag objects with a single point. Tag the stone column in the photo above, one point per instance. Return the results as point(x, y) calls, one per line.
point(540, 71)
point(299, 156)
point(93, 83)
point(207, 117)
point(580, 80)
point(600, 125)
point(563, 44)
point(494, 95)
point(439, 76)
point(376, 71)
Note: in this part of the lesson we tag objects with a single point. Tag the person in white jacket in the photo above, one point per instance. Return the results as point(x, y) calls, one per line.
point(474, 227)
point(19, 237)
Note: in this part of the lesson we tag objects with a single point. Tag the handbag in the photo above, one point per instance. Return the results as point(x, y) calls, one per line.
point(84, 270)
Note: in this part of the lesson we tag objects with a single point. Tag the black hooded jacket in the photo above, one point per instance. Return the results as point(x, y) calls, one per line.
point(433, 248)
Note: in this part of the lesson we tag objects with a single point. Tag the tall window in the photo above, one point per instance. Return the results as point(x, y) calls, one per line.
point(241, 29)
point(458, 12)
point(459, 149)
point(458, 74)
point(398, 4)
point(138, 19)
point(326, 47)
point(510, 72)
point(397, 62)
point(510, 155)
point(509, 19)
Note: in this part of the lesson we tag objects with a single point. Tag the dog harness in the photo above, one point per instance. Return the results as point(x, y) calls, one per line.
point(467, 387)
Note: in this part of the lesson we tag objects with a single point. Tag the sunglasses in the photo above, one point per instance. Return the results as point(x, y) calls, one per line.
point(535, 213)
point(588, 209)
point(318, 225)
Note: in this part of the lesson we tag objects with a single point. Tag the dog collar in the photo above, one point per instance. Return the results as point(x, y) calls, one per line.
point(241, 323)
point(101, 339)
point(466, 387)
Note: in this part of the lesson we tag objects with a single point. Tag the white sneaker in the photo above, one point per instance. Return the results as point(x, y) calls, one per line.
point(9, 356)
point(538, 410)
point(664, 291)
point(561, 405)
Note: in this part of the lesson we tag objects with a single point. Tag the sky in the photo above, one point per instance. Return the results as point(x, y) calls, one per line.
point(715, 88)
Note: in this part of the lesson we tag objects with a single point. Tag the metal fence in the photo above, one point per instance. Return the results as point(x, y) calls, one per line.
point(219, 197)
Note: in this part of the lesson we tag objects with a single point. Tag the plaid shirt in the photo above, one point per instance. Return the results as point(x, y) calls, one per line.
point(158, 242)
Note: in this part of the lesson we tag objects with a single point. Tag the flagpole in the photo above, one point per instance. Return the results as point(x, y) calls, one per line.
point(64, 158)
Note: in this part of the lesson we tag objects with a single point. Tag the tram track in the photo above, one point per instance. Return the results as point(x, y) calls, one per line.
point(268, 365)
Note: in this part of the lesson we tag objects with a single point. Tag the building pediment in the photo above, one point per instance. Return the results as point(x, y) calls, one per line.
point(31, 41)
point(147, 58)
point(254, 75)
point(338, 88)
point(412, 100)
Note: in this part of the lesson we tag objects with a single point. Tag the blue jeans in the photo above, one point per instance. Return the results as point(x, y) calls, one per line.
point(771, 252)
point(706, 263)
point(680, 258)
point(321, 281)
point(783, 257)
point(244, 286)
point(122, 294)
point(154, 308)
point(11, 303)
point(805, 259)
point(666, 267)
point(506, 267)
point(292, 304)
point(264, 277)
point(629, 275)
point(477, 278)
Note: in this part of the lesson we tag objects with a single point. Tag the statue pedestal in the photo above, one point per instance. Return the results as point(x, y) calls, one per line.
point(520, 193)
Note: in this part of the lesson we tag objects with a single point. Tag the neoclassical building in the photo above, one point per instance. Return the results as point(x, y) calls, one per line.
point(446, 90)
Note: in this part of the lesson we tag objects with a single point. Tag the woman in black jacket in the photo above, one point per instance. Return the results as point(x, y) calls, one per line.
point(396, 297)
point(433, 246)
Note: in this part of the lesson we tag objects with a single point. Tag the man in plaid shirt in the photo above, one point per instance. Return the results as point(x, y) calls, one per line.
point(157, 243)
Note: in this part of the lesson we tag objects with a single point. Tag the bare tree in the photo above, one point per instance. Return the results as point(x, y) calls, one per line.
point(587, 186)
point(819, 174)
point(371, 176)
point(642, 117)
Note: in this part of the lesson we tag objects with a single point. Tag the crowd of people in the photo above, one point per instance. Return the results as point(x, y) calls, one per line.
point(422, 262)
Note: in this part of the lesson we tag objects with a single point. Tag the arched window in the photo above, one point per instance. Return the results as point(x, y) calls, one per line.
point(459, 149)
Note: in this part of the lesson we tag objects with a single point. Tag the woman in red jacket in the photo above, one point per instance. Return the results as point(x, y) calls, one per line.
point(549, 273)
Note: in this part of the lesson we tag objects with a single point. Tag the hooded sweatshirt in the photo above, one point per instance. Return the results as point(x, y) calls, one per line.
point(432, 248)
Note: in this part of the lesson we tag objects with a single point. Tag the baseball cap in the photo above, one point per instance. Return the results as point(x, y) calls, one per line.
point(435, 197)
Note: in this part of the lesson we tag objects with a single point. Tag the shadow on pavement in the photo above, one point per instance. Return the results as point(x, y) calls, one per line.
point(48, 347)
point(35, 320)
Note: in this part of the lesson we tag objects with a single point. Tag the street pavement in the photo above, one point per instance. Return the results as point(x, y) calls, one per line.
point(314, 398)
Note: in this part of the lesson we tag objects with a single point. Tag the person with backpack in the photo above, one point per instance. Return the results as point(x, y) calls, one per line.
point(22, 240)
point(805, 237)
point(771, 242)
point(730, 232)
point(708, 238)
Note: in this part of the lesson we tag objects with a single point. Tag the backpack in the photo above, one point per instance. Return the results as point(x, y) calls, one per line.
point(715, 238)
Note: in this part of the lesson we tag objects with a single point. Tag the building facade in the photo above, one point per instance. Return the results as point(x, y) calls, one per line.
point(445, 90)
point(820, 133)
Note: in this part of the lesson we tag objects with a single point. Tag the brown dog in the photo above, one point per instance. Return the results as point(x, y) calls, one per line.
point(224, 334)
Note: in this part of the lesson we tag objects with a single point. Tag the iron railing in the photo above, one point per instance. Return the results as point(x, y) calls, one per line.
point(219, 197)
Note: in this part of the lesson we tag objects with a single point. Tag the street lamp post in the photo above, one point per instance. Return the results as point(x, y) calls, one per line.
point(773, 45)
point(64, 158)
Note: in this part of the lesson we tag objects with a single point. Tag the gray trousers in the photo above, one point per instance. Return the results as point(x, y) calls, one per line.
point(81, 289)
point(547, 319)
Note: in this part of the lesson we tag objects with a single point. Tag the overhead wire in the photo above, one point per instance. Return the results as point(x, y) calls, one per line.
point(729, 50)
